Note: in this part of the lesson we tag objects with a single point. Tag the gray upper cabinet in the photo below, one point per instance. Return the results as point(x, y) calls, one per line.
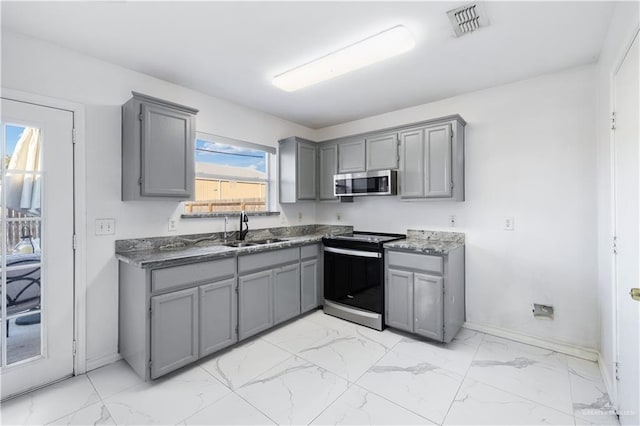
point(158, 140)
point(286, 293)
point(297, 170)
point(351, 156)
point(424, 294)
point(438, 181)
point(432, 161)
point(174, 331)
point(328, 166)
point(382, 152)
point(218, 315)
point(412, 163)
point(255, 303)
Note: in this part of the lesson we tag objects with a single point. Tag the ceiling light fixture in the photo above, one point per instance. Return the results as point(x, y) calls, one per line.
point(376, 48)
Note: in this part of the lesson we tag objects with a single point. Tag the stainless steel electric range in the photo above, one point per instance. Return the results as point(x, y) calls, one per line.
point(354, 277)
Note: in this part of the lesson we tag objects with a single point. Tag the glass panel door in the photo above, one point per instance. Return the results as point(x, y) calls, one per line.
point(36, 253)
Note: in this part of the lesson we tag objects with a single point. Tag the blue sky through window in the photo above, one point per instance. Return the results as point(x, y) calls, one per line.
point(229, 155)
point(12, 134)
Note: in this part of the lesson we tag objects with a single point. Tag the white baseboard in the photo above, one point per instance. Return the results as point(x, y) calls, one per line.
point(609, 383)
point(92, 364)
point(565, 348)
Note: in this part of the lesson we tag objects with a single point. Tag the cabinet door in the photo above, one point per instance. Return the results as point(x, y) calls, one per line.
point(309, 284)
point(255, 303)
point(328, 167)
point(174, 331)
point(382, 152)
point(438, 183)
point(428, 306)
point(399, 299)
point(286, 292)
point(218, 316)
point(412, 164)
point(167, 152)
point(351, 156)
point(306, 172)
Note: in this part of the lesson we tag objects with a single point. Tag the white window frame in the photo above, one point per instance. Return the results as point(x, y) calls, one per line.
point(268, 181)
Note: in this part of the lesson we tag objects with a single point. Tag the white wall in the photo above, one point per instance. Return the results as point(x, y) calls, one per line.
point(40, 68)
point(530, 154)
point(624, 24)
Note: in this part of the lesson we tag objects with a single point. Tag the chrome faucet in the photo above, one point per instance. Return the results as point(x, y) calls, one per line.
point(226, 222)
point(243, 219)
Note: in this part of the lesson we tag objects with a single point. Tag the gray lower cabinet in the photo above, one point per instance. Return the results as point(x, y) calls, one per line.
point(218, 315)
point(310, 277)
point(399, 299)
point(256, 303)
point(158, 140)
point(269, 289)
point(286, 293)
point(432, 161)
point(328, 167)
point(424, 294)
point(170, 317)
point(174, 331)
point(297, 174)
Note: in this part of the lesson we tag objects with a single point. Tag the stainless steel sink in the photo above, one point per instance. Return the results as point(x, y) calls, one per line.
point(241, 244)
point(269, 241)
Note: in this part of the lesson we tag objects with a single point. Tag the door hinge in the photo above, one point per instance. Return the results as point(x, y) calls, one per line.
point(140, 180)
point(237, 331)
point(74, 241)
point(150, 312)
point(149, 364)
point(237, 290)
point(73, 136)
point(617, 368)
point(73, 347)
point(614, 245)
point(140, 117)
point(451, 184)
point(613, 120)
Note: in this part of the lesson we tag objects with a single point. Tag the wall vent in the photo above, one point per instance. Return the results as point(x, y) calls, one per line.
point(467, 19)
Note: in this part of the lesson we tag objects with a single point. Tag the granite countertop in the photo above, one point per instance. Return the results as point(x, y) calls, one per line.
point(428, 242)
point(161, 252)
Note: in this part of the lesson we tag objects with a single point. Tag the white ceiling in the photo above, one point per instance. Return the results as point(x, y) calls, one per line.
point(232, 50)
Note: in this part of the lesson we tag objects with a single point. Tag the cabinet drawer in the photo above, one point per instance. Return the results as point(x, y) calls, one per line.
point(179, 276)
point(421, 262)
point(309, 251)
point(267, 260)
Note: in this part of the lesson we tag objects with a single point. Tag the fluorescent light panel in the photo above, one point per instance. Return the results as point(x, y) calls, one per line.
point(376, 48)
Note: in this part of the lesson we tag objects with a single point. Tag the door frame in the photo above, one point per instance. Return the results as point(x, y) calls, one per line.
point(79, 213)
point(621, 56)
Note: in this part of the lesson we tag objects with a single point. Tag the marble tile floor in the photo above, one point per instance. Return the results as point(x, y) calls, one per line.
point(322, 370)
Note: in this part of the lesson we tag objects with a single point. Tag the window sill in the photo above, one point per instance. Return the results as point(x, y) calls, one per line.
point(223, 214)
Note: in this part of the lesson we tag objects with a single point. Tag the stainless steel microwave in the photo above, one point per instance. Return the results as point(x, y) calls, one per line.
point(382, 182)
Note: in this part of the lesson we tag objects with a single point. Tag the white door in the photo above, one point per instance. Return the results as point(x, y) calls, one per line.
point(37, 258)
point(627, 208)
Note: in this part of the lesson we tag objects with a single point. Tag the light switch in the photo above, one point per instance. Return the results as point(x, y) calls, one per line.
point(105, 226)
point(508, 223)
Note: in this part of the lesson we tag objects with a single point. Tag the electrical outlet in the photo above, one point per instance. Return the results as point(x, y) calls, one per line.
point(508, 223)
point(299, 216)
point(172, 225)
point(338, 216)
point(452, 221)
point(105, 227)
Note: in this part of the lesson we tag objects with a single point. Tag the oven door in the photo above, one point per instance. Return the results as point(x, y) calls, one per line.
point(354, 278)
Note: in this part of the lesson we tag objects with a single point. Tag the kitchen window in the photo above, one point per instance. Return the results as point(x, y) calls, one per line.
point(231, 176)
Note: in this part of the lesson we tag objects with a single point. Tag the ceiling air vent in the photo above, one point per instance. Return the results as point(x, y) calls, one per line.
point(467, 18)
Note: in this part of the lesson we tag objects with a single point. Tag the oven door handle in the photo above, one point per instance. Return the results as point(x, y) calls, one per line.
point(358, 253)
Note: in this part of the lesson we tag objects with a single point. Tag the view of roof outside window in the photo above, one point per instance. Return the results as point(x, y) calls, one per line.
point(229, 179)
